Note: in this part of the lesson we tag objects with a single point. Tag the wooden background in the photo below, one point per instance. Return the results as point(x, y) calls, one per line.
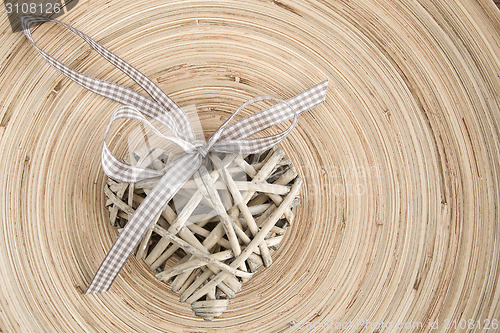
point(399, 220)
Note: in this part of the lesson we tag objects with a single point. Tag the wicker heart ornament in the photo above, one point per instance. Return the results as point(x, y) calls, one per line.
point(206, 217)
point(255, 193)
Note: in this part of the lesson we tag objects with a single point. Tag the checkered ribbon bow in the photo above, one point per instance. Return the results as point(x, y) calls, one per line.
point(226, 139)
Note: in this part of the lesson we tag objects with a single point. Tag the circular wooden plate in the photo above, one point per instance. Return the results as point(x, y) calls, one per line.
point(399, 215)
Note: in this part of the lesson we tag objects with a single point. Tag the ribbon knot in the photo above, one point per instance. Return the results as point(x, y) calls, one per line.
point(226, 139)
point(201, 147)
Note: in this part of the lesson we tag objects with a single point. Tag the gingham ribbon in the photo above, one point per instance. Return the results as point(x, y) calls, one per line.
point(227, 138)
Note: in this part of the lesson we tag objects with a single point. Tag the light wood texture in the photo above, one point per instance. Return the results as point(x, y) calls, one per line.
point(399, 217)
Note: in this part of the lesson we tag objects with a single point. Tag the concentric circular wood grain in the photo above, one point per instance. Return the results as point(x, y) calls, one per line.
point(399, 220)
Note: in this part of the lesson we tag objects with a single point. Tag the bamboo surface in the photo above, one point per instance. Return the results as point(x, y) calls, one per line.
point(399, 218)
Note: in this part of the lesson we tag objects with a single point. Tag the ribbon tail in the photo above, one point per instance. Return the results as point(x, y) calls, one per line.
point(177, 175)
point(309, 98)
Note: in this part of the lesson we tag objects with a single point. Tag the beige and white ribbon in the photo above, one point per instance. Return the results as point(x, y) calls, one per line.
point(227, 139)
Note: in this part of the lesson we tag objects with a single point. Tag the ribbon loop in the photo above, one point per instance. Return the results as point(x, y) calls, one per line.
point(259, 144)
point(226, 139)
point(254, 100)
point(277, 113)
point(176, 120)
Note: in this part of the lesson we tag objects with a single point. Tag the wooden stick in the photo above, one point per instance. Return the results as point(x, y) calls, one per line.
point(266, 227)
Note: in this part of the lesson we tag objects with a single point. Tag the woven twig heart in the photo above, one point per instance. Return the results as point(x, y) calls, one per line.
point(248, 193)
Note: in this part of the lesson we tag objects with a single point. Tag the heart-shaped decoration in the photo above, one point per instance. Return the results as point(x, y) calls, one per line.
point(218, 229)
